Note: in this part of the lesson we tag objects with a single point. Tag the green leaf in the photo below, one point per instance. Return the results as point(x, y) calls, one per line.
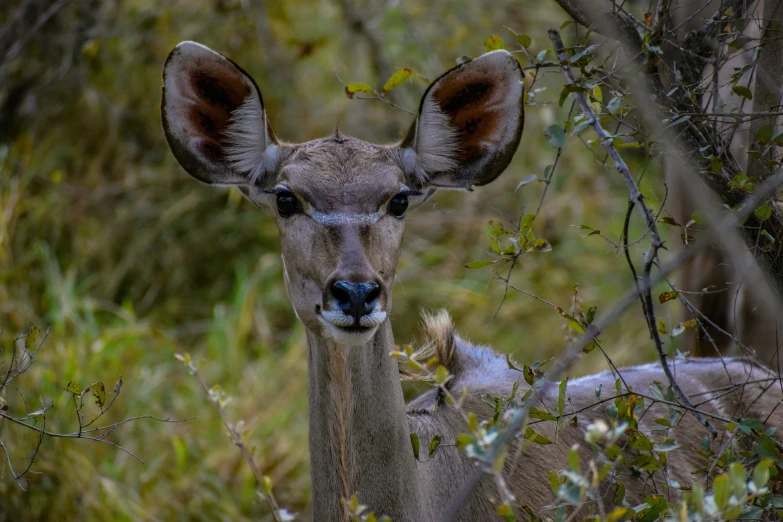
point(511, 365)
point(554, 480)
point(463, 440)
point(656, 505)
point(590, 315)
point(761, 473)
point(573, 460)
point(472, 421)
point(266, 485)
point(619, 494)
point(539, 245)
point(720, 491)
point(555, 134)
point(621, 513)
point(493, 43)
point(527, 373)
point(99, 391)
point(613, 451)
point(29, 341)
point(716, 164)
point(764, 135)
point(526, 223)
point(397, 79)
point(743, 91)
point(668, 296)
point(524, 40)
point(564, 95)
point(579, 128)
point(434, 445)
point(415, 444)
point(536, 413)
point(561, 396)
point(575, 326)
point(640, 441)
point(479, 264)
point(667, 444)
point(494, 245)
point(646, 462)
point(504, 510)
point(353, 88)
point(767, 449)
point(441, 374)
point(750, 424)
point(764, 212)
point(535, 437)
point(73, 388)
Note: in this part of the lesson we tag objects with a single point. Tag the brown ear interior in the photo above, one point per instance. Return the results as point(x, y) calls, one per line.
point(481, 103)
point(468, 102)
point(215, 92)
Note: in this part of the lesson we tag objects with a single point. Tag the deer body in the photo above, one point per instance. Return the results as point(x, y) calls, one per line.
point(340, 206)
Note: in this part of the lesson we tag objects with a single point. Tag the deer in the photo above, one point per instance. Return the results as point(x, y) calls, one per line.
point(340, 205)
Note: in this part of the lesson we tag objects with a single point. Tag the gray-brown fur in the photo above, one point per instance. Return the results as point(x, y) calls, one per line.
point(342, 229)
point(483, 371)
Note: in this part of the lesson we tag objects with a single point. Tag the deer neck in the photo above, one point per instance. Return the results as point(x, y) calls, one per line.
point(359, 432)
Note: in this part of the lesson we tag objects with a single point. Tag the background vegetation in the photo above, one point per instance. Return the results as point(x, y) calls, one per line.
point(108, 243)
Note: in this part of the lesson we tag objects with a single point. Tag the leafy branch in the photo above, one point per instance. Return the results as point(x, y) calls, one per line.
point(22, 359)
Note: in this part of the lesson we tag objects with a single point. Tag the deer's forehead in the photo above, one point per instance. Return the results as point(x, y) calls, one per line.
point(342, 174)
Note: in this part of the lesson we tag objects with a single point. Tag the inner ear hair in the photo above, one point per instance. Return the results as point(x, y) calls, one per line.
point(247, 128)
point(434, 144)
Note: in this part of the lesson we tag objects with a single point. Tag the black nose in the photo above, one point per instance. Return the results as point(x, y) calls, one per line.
point(355, 299)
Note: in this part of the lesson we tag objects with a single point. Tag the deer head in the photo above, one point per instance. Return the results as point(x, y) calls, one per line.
point(340, 202)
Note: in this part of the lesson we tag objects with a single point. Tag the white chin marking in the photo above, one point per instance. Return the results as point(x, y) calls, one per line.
point(336, 322)
point(349, 338)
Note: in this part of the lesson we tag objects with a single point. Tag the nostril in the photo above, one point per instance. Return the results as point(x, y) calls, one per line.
point(341, 291)
point(373, 291)
point(370, 298)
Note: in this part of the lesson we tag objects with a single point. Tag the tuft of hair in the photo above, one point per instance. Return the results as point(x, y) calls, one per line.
point(435, 146)
point(440, 342)
point(250, 151)
point(438, 330)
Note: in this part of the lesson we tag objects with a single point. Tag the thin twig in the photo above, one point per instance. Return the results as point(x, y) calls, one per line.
point(238, 442)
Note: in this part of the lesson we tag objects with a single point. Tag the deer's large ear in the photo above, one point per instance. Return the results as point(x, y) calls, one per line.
point(469, 124)
point(214, 118)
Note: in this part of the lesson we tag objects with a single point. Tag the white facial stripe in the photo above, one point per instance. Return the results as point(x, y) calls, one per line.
point(338, 218)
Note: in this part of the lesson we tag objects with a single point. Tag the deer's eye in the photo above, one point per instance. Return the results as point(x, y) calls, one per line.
point(398, 205)
point(287, 204)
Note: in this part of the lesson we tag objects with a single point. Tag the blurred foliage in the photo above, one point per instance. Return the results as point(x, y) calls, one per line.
point(107, 241)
